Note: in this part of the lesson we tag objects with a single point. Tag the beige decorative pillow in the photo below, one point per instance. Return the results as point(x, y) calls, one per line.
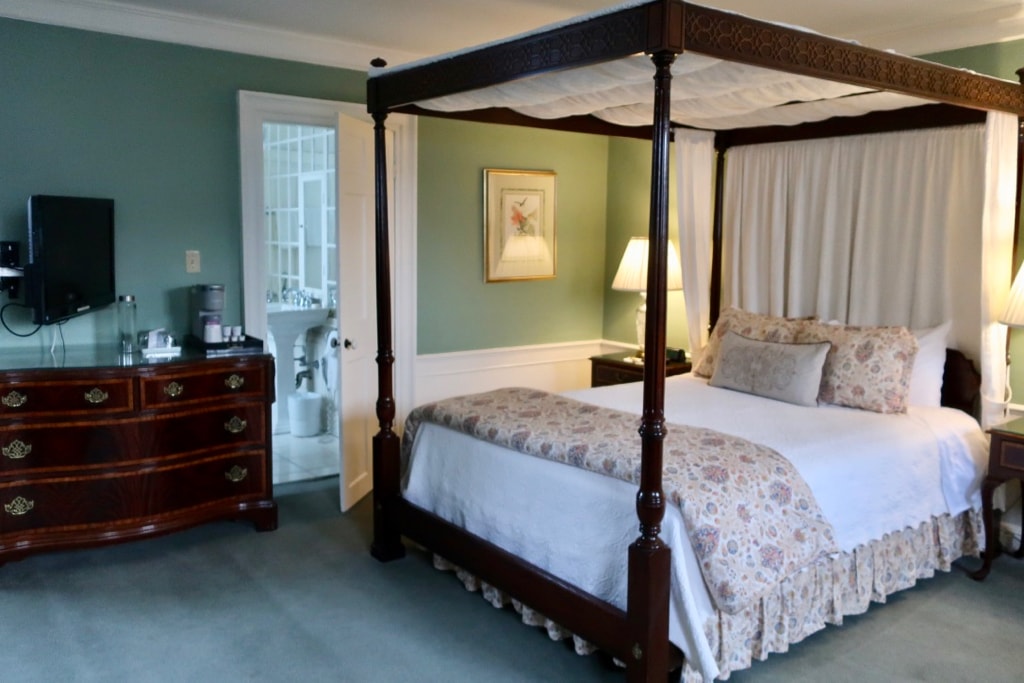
point(751, 325)
point(785, 372)
point(868, 367)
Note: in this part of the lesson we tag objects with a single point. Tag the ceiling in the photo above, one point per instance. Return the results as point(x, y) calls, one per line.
point(351, 32)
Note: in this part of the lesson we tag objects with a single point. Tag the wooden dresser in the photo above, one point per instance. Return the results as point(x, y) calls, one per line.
point(95, 452)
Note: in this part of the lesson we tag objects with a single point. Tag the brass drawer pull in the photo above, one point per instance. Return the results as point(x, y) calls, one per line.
point(96, 395)
point(19, 506)
point(236, 474)
point(174, 390)
point(14, 399)
point(234, 382)
point(16, 450)
point(235, 425)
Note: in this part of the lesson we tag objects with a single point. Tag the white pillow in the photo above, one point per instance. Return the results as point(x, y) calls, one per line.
point(782, 371)
point(929, 365)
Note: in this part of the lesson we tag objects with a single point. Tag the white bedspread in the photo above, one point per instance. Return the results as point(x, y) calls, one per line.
point(870, 473)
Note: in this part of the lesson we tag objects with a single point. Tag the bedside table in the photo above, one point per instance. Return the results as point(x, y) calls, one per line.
point(617, 368)
point(1005, 462)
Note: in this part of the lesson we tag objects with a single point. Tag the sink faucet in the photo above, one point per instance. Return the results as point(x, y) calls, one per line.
point(303, 374)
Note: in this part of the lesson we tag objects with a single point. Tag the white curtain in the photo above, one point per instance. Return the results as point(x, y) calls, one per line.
point(908, 228)
point(998, 221)
point(695, 164)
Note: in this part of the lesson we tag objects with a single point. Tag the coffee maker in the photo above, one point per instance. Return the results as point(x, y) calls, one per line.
point(206, 303)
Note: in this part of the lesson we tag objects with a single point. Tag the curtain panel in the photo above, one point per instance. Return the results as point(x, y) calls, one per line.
point(911, 228)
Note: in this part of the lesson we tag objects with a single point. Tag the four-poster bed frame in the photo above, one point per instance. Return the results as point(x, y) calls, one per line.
point(662, 29)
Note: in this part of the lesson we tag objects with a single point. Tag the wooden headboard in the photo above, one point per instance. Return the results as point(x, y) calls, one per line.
point(961, 384)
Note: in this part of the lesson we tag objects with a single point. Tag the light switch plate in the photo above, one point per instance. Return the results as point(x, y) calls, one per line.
point(191, 261)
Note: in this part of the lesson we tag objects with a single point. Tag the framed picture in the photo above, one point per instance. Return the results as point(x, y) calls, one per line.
point(519, 225)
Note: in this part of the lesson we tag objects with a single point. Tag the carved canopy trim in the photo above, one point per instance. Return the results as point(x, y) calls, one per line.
point(741, 39)
point(675, 26)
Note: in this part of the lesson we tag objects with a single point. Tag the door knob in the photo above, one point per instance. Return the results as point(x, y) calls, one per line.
point(349, 344)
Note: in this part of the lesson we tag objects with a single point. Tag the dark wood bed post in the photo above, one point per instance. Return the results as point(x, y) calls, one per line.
point(387, 539)
point(1019, 189)
point(649, 557)
point(715, 293)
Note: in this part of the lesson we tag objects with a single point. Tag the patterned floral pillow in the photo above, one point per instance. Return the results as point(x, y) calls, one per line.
point(868, 367)
point(750, 325)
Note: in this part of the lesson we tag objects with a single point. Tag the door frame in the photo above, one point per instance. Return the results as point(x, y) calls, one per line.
point(255, 109)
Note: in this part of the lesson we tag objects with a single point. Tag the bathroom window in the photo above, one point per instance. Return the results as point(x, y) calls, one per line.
point(300, 201)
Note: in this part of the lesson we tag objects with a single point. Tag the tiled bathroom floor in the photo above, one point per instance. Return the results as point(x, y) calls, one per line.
point(310, 457)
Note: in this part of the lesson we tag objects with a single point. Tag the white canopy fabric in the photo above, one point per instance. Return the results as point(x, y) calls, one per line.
point(706, 93)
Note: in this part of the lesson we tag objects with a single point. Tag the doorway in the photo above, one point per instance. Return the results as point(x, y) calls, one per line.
point(300, 224)
point(317, 254)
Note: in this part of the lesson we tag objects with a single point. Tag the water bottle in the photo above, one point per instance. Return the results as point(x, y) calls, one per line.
point(126, 323)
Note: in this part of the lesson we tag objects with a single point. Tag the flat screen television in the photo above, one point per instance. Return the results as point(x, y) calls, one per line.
point(70, 267)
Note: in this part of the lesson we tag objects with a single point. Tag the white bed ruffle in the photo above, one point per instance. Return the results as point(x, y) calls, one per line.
point(807, 602)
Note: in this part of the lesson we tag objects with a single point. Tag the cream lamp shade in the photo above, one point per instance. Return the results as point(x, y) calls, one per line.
point(632, 273)
point(1013, 316)
point(632, 277)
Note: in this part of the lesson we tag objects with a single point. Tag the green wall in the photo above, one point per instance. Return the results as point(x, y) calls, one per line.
point(155, 126)
point(458, 310)
point(152, 125)
point(629, 200)
point(997, 59)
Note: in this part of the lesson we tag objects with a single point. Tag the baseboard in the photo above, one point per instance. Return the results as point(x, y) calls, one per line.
point(551, 367)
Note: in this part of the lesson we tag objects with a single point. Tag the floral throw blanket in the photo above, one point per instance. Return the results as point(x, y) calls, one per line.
point(751, 518)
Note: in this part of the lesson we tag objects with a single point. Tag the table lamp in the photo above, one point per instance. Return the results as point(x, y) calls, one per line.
point(1013, 316)
point(632, 277)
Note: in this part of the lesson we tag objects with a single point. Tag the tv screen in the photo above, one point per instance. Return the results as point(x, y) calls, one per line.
point(71, 256)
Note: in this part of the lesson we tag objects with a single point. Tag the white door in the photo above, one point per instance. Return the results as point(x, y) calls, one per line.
point(356, 283)
point(356, 308)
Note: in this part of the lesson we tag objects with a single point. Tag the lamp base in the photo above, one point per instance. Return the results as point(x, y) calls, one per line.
point(641, 326)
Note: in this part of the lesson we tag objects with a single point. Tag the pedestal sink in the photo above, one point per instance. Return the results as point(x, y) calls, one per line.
point(285, 323)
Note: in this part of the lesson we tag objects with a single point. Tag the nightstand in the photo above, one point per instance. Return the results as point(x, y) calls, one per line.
point(619, 368)
point(1005, 462)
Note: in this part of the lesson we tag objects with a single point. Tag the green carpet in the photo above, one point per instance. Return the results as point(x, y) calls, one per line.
point(307, 603)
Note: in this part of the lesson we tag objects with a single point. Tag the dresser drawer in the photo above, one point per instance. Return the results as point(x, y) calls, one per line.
point(66, 398)
point(212, 480)
point(192, 385)
point(235, 426)
point(75, 445)
point(601, 375)
point(70, 503)
point(1010, 458)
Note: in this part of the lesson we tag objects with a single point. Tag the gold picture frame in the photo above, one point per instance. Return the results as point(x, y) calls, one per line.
point(519, 225)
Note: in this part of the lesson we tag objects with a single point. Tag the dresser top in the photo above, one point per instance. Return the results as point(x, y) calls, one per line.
point(90, 356)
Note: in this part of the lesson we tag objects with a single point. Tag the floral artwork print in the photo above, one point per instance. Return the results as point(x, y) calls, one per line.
point(751, 518)
point(522, 211)
point(519, 225)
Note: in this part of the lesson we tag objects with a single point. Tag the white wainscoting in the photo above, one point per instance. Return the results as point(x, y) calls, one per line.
point(551, 367)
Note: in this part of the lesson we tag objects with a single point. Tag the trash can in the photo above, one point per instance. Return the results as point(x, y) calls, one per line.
point(304, 413)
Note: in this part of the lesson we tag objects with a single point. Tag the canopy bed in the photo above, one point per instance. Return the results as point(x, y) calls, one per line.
point(664, 69)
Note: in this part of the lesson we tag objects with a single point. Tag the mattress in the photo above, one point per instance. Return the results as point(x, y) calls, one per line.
point(872, 475)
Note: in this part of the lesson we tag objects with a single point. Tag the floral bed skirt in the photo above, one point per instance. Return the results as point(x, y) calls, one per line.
point(820, 594)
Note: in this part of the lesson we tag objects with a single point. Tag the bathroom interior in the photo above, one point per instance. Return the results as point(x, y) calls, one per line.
point(302, 293)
